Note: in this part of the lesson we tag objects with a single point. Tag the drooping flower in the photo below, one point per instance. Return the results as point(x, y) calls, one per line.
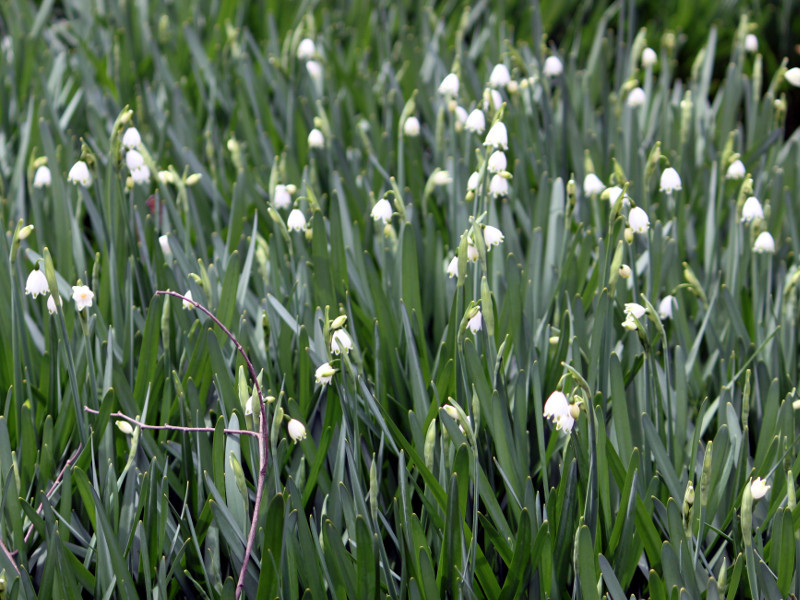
point(593, 185)
point(163, 241)
point(83, 296)
point(411, 127)
point(472, 252)
point(134, 159)
point(670, 181)
point(441, 177)
point(324, 373)
point(141, 175)
point(51, 304)
point(492, 100)
point(492, 236)
point(461, 115)
point(131, 138)
point(281, 198)
point(316, 139)
point(186, 304)
point(297, 431)
point(473, 181)
point(382, 211)
point(306, 49)
point(764, 244)
point(498, 186)
point(759, 488)
point(751, 43)
point(475, 324)
point(665, 307)
point(452, 268)
point(497, 162)
point(314, 69)
point(638, 220)
point(636, 97)
point(296, 220)
point(793, 76)
point(649, 57)
point(553, 67)
point(42, 178)
point(449, 85)
point(497, 137)
point(735, 170)
point(557, 409)
point(79, 173)
point(752, 210)
point(476, 122)
point(500, 76)
point(341, 340)
point(613, 193)
point(634, 309)
point(36, 283)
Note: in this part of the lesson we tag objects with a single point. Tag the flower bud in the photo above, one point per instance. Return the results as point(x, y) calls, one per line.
point(338, 322)
point(193, 179)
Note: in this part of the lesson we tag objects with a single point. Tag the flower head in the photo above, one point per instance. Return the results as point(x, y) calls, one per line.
point(316, 139)
point(79, 173)
point(492, 100)
point(42, 177)
point(441, 177)
point(131, 138)
point(500, 76)
point(472, 252)
point(297, 431)
point(670, 181)
point(764, 244)
point(492, 236)
point(497, 162)
point(461, 115)
point(449, 85)
point(306, 49)
point(340, 341)
point(665, 307)
point(51, 304)
point(141, 175)
point(557, 409)
point(613, 193)
point(751, 43)
point(324, 373)
point(634, 309)
point(476, 122)
point(452, 268)
point(163, 241)
point(281, 198)
point(793, 76)
point(314, 69)
point(134, 159)
point(752, 210)
point(759, 488)
point(382, 211)
point(735, 170)
point(475, 324)
point(187, 304)
point(636, 97)
point(411, 127)
point(593, 185)
point(296, 220)
point(638, 220)
point(83, 296)
point(498, 186)
point(649, 57)
point(36, 283)
point(473, 181)
point(553, 66)
point(497, 137)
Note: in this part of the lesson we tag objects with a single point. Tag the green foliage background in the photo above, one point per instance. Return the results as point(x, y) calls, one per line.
point(388, 496)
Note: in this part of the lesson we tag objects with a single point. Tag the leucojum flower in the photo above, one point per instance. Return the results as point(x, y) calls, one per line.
point(382, 211)
point(297, 431)
point(670, 181)
point(764, 244)
point(411, 127)
point(736, 170)
point(475, 324)
point(492, 236)
point(296, 220)
point(638, 220)
point(666, 306)
point(316, 139)
point(79, 173)
point(633, 311)
point(324, 373)
point(42, 178)
point(82, 296)
point(476, 122)
point(36, 283)
point(341, 341)
point(752, 210)
point(558, 409)
point(592, 185)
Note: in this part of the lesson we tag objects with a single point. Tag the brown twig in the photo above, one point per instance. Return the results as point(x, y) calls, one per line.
point(262, 436)
point(119, 415)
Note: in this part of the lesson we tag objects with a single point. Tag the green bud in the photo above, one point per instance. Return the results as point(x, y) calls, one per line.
point(338, 322)
point(705, 475)
point(373, 490)
point(430, 444)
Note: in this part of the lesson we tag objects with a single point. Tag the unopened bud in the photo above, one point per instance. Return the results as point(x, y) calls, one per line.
point(25, 232)
point(193, 178)
point(628, 235)
point(124, 427)
point(338, 322)
point(625, 271)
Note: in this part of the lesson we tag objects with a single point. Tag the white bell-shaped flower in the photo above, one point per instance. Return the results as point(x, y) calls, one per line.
point(36, 283)
point(498, 186)
point(411, 127)
point(186, 304)
point(500, 76)
point(452, 268)
point(793, 76)
point(492, 236)
point(296, 220)
point(636, 97)
point(764, 244)
point(281, 198)
point(736, 170)
point(752, 210)
point(449, 85)
point(131, 138)
point(474, 181)
point(79, 173)
point(297, 431)
point(751, 43)
point(306, 49)
point(638, 220)
point(497, 162)
point(553, 67)
point(340, 341)
point(670, 181)
point(324, 373)
point(476, 122)
point(42, 178)
point(316, 139)
point(497, 137)
point(649, 57)
point(593, 185)
point(475, 324)
point(382, 211)
point(666, 306)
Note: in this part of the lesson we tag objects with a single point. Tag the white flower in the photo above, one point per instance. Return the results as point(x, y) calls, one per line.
point(382, 211)
point(441, 177)
point(82, 295)
point(630, 324)
point(492, 100)
point(751, 43)
point(492, 236)
point(452, 268)
point(613, 193)
point(296, 220)
point(552, 66)
point(500, 76)
point(759, 488)
point(324, 373)
point(793, 76)
point(498, 186)
point(281, 198)
point(124, 427)
point(42, 177)
point(497, 137)
point(649, 57)
point(248, 406)
point(314, 69)
point(764, 244)
point(316, 139)
point(475, 324)
point(476, 122)
point(472, 253)
point(473, 181)
point(341, 340)
point(638, 220)
point(411, 127)
point(736, 170)
point(665, 307)
point(633, 309)
point(306, 49)
point(79, 173)
point(564, 423)
point(593, 185)
point(449, 85)
point(140, 175)
point(297, 431)
point(187, 305)
point(670, 181)
point(557, 409)
point(625, 271)
point(163, 241)
point(51, 304)
point(497, 162)
point(134, 159)
point(131, 138)
point(752, 210)
point(36, 283)
point(636, 97)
